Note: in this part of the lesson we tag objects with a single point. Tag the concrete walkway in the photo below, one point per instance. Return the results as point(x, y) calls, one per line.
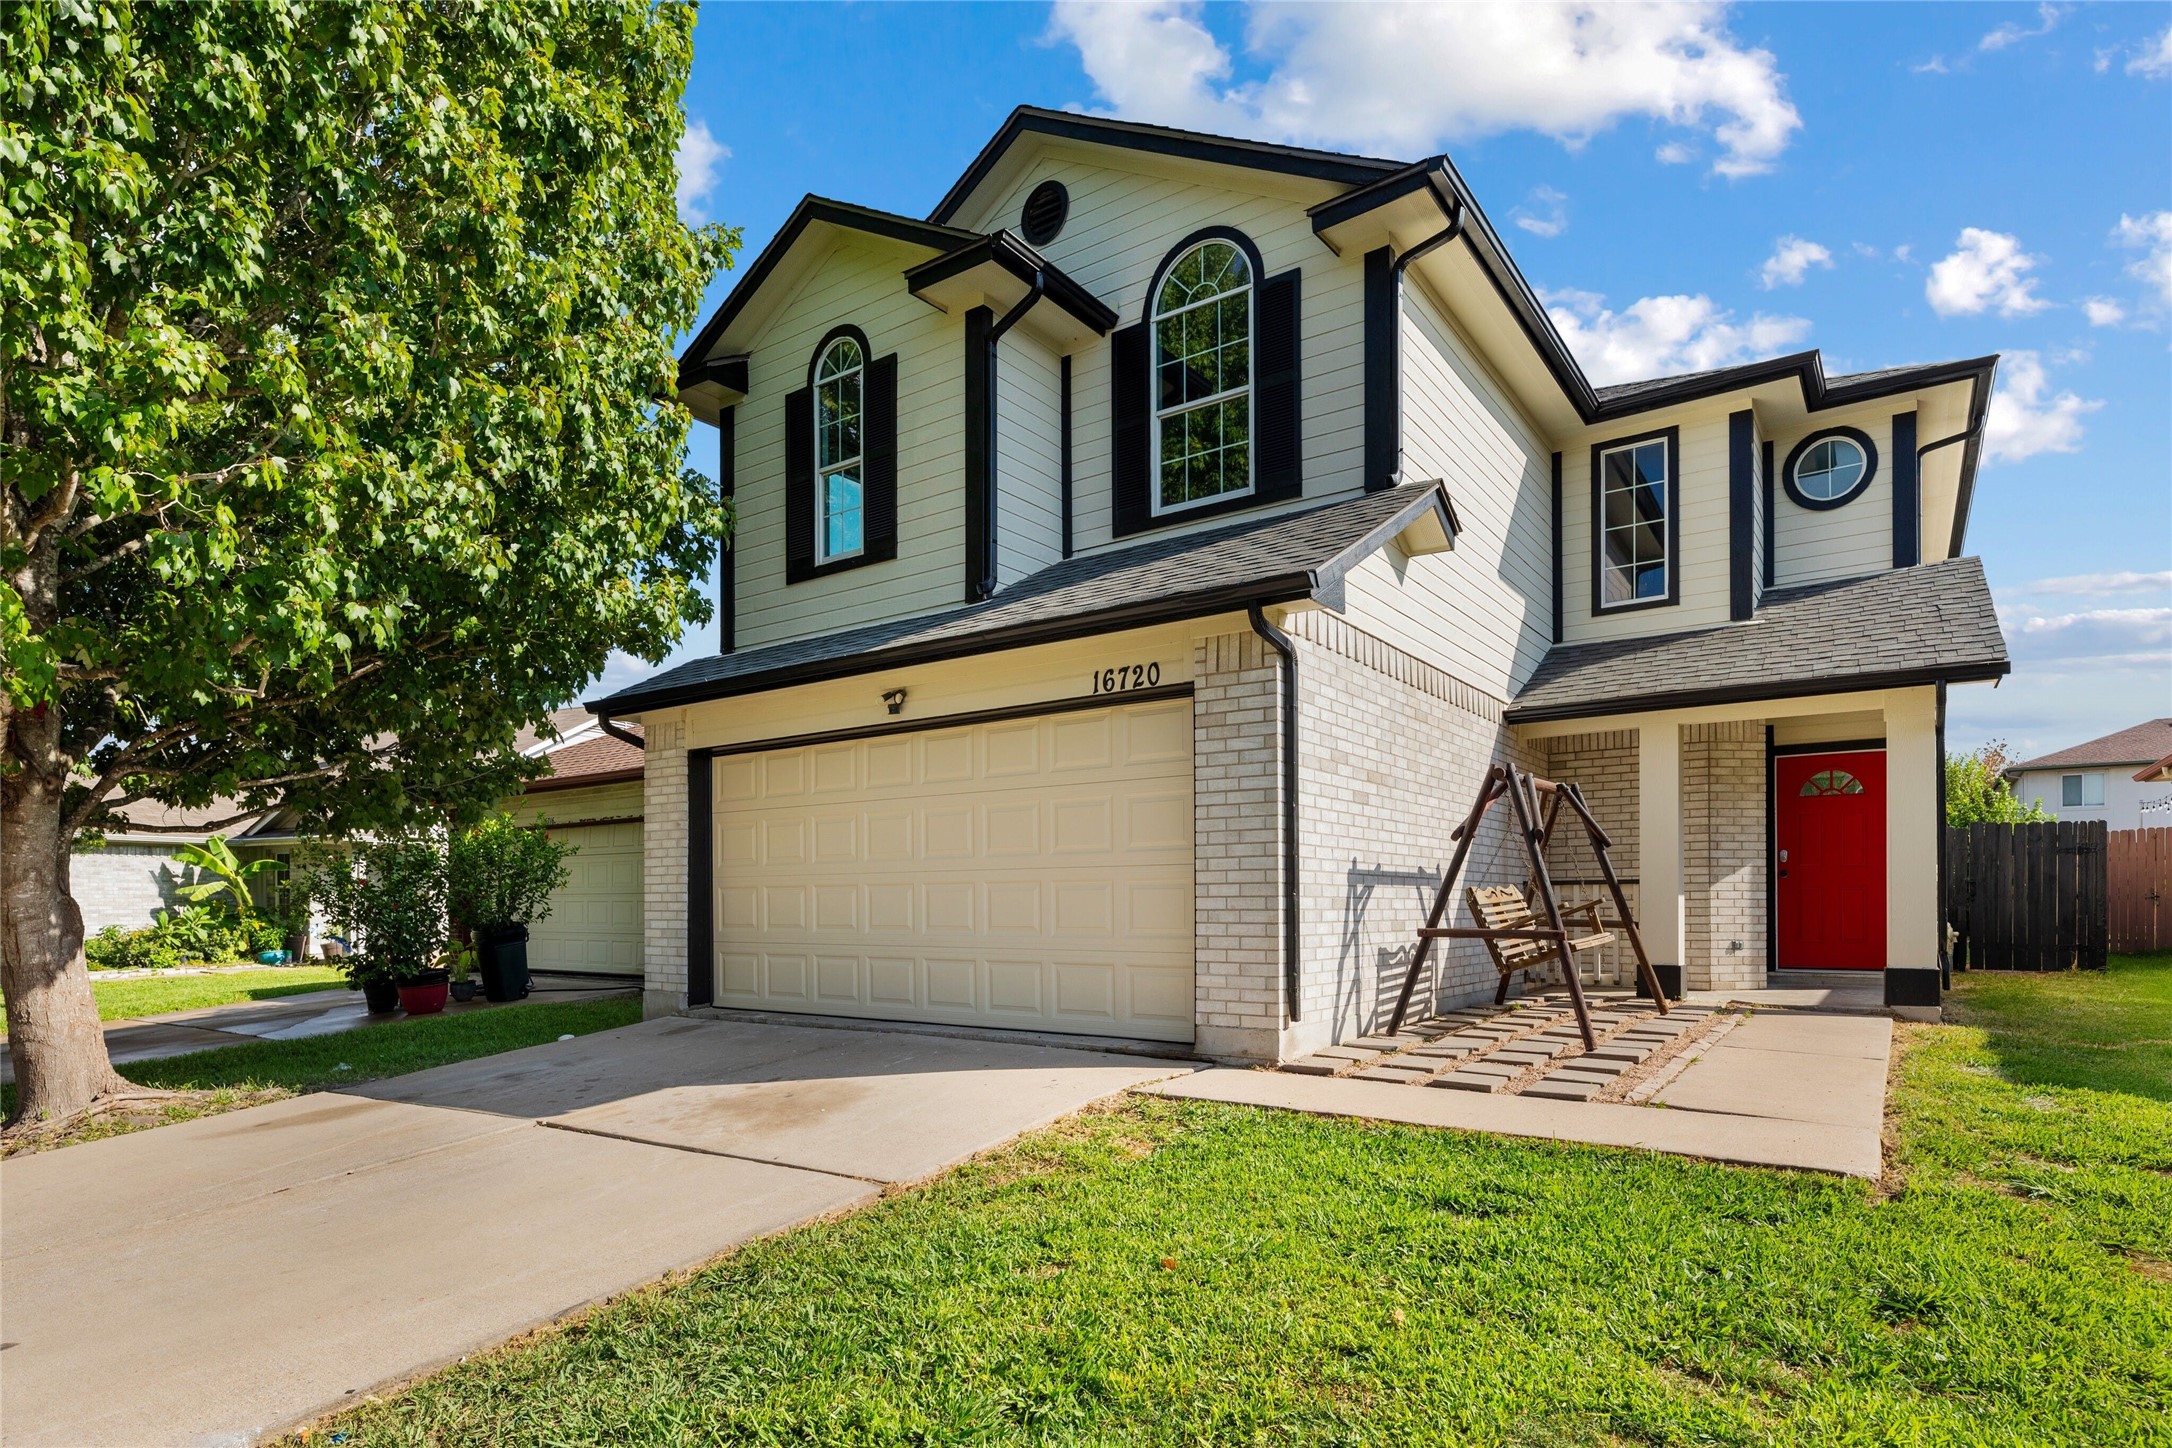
point(1784, 1088)
point(285, 1018)
point(224, 1279)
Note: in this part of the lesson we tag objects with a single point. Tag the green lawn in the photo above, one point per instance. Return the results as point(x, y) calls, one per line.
point(1189, 1273)
point(267, 1070)
point(155, 995)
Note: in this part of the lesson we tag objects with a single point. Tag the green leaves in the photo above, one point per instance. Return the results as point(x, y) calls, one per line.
point(332, 337)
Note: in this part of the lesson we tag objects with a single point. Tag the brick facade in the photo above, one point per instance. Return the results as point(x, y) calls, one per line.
point(125, 884)
point(1604, 766)
point(1723, 855)
point(1238, 988)
point(663, 851)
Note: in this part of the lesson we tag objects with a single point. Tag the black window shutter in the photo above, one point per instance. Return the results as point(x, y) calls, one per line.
point(799, 485)
point(1277, 466)
point(1132, 468)
point(878, 436)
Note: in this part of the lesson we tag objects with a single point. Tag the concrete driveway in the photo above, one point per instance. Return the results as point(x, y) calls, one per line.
point(221, 1280)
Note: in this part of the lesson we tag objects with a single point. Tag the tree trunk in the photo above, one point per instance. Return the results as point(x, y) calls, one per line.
point(61, 1066)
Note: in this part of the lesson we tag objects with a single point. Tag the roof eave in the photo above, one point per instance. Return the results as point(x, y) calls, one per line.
point(1664, 701)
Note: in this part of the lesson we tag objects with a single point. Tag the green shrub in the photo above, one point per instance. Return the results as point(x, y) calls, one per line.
point(386, 898)
point(116, 949)
point(502, 873)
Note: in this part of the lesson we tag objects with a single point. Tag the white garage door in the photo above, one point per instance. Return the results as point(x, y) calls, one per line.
point(595, 920)
point(1033, 873)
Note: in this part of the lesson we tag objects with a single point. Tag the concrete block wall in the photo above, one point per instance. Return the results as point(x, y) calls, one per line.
point(1238, 1002)
point(664, 856)
point(1604, 766)
point(125, 884)
point(1391, 751)
point(1723, 855)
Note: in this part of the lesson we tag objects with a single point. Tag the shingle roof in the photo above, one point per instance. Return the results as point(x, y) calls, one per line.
point(1908, 625)
point(1288, 556)
point(589, 759)
point(2145, 743)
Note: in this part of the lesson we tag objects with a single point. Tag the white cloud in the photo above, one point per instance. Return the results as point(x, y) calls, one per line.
point(1661, 336)
point(1674, 153)
point(701, 157)
point(1989, 270)
point(2103, 311)
point(2047, 18)
point(2024, 421)
point(2153, 232)
point(2103, 585)
point(1552, 216)
point(2109, 635)
point(1791, 260)
point(2153, 58)
point(1400, 78)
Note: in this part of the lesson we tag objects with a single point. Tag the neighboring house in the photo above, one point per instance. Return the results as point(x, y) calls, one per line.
point(1068, 513)
point(2124, 779)
point(591, 799)
point(133, 873)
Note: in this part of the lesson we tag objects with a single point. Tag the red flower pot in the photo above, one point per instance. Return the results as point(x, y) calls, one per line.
point(426, 996)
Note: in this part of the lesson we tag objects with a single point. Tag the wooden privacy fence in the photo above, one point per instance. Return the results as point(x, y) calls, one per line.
point(2139, 880)
point(2028, 897)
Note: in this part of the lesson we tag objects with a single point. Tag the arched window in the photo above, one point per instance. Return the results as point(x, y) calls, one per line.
point(1831, 781)
point(1203, 377)
point(840, 402)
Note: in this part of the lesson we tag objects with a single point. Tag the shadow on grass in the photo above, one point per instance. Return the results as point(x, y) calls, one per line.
point(2108, 1030)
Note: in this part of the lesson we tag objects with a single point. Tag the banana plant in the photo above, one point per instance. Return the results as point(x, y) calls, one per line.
point(228, 874)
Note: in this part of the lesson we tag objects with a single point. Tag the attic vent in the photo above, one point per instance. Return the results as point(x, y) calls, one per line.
point(1044, 212)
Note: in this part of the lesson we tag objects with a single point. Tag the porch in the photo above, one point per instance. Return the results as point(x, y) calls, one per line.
point(1703, 827)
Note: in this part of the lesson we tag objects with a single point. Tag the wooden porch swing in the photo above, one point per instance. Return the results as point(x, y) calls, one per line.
point(1514, 935)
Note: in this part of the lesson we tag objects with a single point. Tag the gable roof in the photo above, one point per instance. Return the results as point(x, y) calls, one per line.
point(2145, 743)
point(1902, 627)
point(1299, 555)
point(1332, 166)
point(597, 758)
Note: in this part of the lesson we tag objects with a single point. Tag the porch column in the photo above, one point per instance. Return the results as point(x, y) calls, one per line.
point(1912, 844)
point(1659, 846)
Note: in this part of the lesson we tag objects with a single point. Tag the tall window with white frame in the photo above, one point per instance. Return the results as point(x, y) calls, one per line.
point(1634, 534)
point(1203, 378)
point(840, 394)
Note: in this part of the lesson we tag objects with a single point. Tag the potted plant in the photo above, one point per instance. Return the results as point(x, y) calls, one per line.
point(501, 876)
point(460, 966)
point(387, 896)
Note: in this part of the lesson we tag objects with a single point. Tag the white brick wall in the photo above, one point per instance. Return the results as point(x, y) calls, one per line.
point(1723, 855)
point(1392, 753)
point(1604, 767)
point(125, 884)
point(1237, 848)
point(663, 852)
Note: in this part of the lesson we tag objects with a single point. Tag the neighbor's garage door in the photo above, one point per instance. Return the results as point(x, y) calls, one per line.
point(1034, 873)
point(595, 920)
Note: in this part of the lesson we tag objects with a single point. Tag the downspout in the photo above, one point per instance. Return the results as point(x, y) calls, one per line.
point(1292, 891)
point(984, 587)
point(1400, 265)
point(620, 732)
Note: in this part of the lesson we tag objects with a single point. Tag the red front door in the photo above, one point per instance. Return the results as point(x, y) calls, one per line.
point(1830, 828)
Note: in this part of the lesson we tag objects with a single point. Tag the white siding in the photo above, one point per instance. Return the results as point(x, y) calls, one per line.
point(1812, 545)
point(1703, 558)
point(1122, 223)
point(858, 282)
point(1029, 456)
point(1482, 612)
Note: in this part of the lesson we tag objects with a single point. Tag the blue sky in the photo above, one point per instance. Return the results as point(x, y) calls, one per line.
point(1689, 185)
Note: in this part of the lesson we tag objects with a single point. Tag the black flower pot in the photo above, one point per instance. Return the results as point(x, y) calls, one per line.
point(501, 957)
point(381, 996)
point(463, 990)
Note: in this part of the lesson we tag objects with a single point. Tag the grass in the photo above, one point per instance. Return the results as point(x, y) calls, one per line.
point(1186, 1273)
point(127, 1000)
point(262, 1071)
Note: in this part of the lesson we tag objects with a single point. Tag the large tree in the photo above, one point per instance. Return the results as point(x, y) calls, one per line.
point(335, 414)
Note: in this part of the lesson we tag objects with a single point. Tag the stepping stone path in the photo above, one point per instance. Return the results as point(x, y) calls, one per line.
point(1535, 1040)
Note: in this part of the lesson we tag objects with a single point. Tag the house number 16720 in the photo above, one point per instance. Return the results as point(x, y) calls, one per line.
point(1126, 677)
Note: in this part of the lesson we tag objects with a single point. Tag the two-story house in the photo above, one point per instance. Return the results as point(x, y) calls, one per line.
point(1141, 559)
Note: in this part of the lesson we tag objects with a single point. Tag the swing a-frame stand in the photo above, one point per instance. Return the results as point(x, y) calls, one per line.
point(1516, 936)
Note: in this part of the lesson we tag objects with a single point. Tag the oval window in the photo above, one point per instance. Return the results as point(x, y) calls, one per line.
point(1828, 468)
